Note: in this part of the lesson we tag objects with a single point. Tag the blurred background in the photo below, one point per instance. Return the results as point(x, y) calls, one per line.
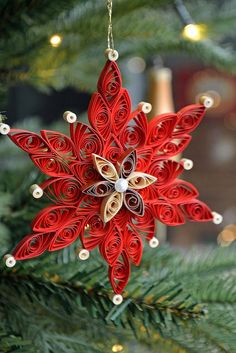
point(171, 52)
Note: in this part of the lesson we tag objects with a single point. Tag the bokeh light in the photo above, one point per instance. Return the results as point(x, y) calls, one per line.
point(194, 32)
point(136, 65)
point(117, 348)
point(55, 40)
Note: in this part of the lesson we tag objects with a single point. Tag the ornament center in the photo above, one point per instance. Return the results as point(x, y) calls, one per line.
point(121, 185)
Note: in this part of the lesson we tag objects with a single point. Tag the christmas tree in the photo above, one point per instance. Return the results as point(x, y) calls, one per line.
point(175, 302)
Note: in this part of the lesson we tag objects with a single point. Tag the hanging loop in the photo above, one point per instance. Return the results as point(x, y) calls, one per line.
point(110, 52)
point(110, 40)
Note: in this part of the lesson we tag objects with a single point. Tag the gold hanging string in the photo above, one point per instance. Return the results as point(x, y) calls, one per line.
point(110, 40)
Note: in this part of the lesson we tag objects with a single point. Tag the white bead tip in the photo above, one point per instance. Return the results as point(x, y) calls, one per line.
point(84, 254)
point(153, 243)
point(4, 129)
point(10, 261)
point(217, 218)
point(112, 54)
point(207, 101)
point(144, 107)
point(187, 163)
point(70, 117)
point(117, 299)
point(36, 191)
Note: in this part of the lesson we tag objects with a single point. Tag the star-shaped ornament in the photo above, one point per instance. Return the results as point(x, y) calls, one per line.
point(110, 181)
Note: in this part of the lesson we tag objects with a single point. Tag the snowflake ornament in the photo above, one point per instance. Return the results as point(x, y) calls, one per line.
point(110, 181)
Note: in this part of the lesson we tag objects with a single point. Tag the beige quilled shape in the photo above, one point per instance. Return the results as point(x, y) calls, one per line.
point(111, 205)
point(139, 180)
point(105, 168)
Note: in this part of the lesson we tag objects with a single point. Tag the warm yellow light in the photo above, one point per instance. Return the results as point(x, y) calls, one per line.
point(194, 32)
point(228, 235)
point(55, 40)
point(87, 227)
point(117, 348)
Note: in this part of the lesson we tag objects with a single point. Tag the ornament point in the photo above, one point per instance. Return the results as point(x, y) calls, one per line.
point(207, 101)
point(69, 117)
point(4, 129)
point(217, 218)
point(154, 242)
point(187, 163)
point(36, 191)
point(117, 299)
point(144, 107)
point(111, 54)
point(84, 254)
point(10, 261)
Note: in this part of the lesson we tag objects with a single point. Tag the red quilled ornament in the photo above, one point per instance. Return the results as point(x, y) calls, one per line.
point(109, 182)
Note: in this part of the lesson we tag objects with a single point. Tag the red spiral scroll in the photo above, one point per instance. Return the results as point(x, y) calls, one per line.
point(60, 144)
point(165, 170)
point(66, 235)
point(134, 133)
point(160, 129)
point(29, 142)
point(189, 118)
point(121, 112)
point(95, 232)
point(119, 273)
point(167, 213)
point(86, 141)
point(197, 211)
point(31, 246)
point(178, 192)
point(62, 190)
point(112, 246)
point(175, 146)
point(123, 218)
point(100, 116)
point(133, 246)
point(113, 153)
point(109, 83)
point(85, 173)
point(145, 226)
point(144, 158)
point(51, 165)
point(52, 218)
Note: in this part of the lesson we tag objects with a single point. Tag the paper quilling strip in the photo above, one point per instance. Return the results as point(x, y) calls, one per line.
point(109, 181)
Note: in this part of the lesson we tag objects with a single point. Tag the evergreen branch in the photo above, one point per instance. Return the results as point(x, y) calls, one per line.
point(141, 28)
point(10, 343)
point(159, 305)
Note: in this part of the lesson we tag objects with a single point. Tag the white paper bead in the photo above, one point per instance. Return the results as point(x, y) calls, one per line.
point(112, 54)
point(121, 185)
point(144, 107)
point(70, 117)
point(36, 191)
point(84, 254)
point(187, 163)
point(4, 129)
point(217, 218)
point(207, 101)
point(10, 261)
point(117, 299)
point(153, 243)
